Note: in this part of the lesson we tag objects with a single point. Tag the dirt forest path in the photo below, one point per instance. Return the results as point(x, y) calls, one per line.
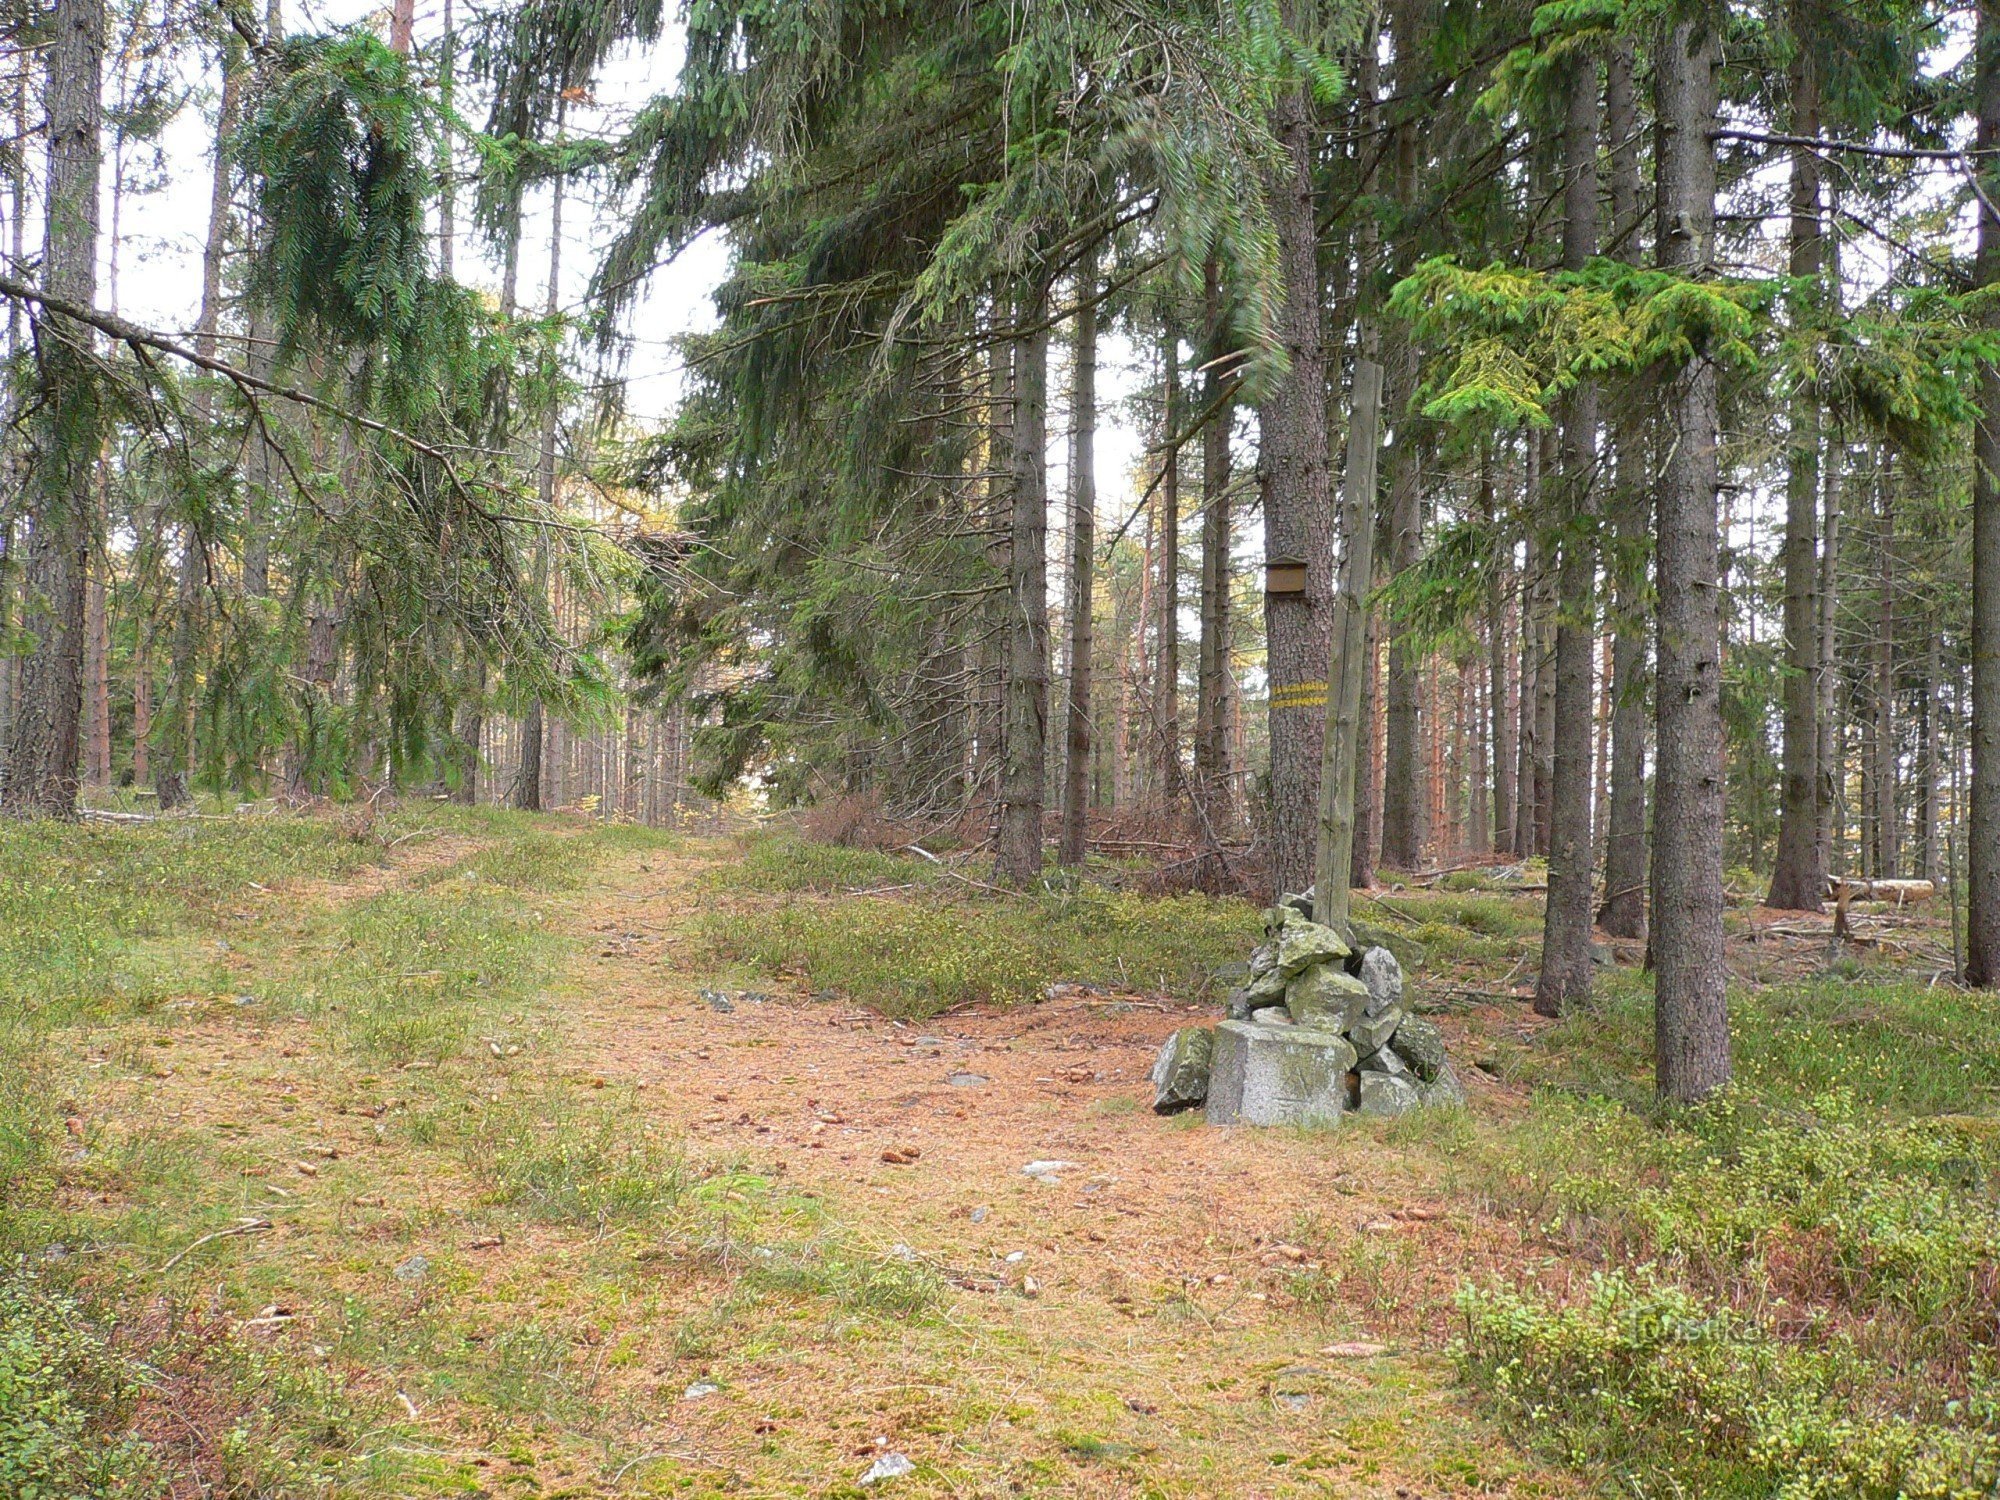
point(1167, 1309)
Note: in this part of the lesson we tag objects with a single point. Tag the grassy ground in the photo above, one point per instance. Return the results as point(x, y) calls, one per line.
point(389, 1158)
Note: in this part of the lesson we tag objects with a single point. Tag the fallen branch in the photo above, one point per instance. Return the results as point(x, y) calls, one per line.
point(242, 1226)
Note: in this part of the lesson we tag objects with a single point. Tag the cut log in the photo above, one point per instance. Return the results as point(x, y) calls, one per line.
point(1899, 892)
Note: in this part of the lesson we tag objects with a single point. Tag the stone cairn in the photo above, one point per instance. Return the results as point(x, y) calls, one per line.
point(1319, 1031)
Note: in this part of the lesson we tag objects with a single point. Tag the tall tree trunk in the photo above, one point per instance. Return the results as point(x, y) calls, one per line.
point(1292, 476)
point(1500, 718)
point(42, 767)
point(1567, 966)
point(447, 147)
point(1025, 690)
point(1691, 1016)
point(1888, 856)
point(1829, 754)
point(97, 635)
point(177, 723)
point(1167, 677)
point(989, 718)
point(1930, 856)
point(1529, 695)
point(261, 464)
point(1082, 567)
point(528, 785)
point(1982, 843)
point(1403, 761)
point(1623, 911)
point(1211, 749)
point(1798, 880)
point(1547, 587)
point(1342, 858)
point(1344, 748)
point(18, 237)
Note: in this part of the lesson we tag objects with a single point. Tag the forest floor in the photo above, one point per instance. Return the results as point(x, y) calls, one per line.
point(467, 1153)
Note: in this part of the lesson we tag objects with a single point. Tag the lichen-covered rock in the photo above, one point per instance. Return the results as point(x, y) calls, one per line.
point(1180, 1072)
point(1444, 1089)
point(1365, 935)
point(1371, 1033)
point(1384, 977)
point(1277, 1075)
point(1326, 997)
point(1299, 901)
point(1386, 1061)
point(1420, 1044)
point(1267, 988)
point(1301, 942)
point(1263, 959)
point(1386, 1094)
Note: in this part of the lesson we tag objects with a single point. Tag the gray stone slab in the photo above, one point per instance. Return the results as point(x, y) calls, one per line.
point(1277, 1075)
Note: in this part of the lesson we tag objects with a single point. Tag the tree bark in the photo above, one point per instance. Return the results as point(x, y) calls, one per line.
point(1888, 854)
point(1798, 879)
point(1403, 784)
point(1292, 478)
point(1025, 691)
point(1211, 749)
point(1547, 587)
point(1167, 675)
point(1691, 1017)
point(1082, 567)
point(177, 722)
point(528, 785)
point(261, 465)
point(1347, 671)
point(1623, 911)
point(1982, 844)
point(1403, 762)
point(1500, 718)
point(42, 767)
point(1567, 966)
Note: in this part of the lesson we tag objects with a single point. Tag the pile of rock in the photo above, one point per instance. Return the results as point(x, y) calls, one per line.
point(1319, 1031)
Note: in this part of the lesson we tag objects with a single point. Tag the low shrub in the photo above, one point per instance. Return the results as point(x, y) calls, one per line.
point(1642, 1377)
point(65, 1399)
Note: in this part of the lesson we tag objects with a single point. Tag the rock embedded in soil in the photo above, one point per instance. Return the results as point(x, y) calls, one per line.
point(888, 1466)
point(1445, 1089)
point(1277, 1075)
point(1180, 1072)
point(1420, 1044)
point(1384, 1094)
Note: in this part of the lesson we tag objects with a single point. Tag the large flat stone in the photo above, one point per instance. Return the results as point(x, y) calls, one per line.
point(1277, 1075)
point(1301, 943)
